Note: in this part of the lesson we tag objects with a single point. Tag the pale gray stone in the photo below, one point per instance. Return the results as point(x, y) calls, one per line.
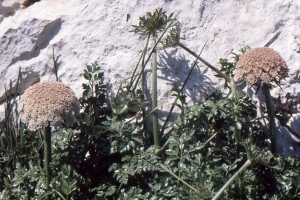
point(84, 31)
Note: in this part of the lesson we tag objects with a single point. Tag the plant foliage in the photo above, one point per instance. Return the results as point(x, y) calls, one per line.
point(108, 153)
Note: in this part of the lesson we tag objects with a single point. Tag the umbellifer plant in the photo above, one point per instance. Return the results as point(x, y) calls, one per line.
point(48, 104)
point(149, 27)
point(261, 66)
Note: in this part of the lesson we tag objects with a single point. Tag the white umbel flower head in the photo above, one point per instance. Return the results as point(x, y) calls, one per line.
point(261, 64)
point(45, 102)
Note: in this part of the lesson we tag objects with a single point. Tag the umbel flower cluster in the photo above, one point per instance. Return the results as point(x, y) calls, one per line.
point(261, 64)
point(45, 102)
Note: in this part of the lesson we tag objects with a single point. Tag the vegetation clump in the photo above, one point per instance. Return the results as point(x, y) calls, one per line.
point(217, 148)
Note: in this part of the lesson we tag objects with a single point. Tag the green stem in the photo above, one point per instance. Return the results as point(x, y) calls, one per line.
point(221, 74)
point(231, 81)
point(270, 109)
point(41, 157)
point(134, 76)
point(212, 137)
point(142, 74)
point(247, 163)
point(54, 63)
point(154, 99)
point(60, 194)
point(233, 86)
point(144, 65)
point(271, 115)
point(236, 131)
point(163, 148)
point(182, 87)
point(47, 153)
point(272, 39)
point(168, 170)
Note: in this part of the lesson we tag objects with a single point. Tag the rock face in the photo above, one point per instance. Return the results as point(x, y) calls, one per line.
point(84, 31)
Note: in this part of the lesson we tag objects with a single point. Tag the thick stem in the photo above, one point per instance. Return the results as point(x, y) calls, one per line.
point(154, 99)
point(271, 115)
point(247, 163)
point(47, 153)
point(232, 85)
point(41, 157)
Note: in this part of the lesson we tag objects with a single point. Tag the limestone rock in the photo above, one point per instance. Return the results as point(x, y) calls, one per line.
point(84, 31)
point(8, 8)
point(22, 44)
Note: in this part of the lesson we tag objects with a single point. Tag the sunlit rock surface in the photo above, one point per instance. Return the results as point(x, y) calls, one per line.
point(85, 31)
